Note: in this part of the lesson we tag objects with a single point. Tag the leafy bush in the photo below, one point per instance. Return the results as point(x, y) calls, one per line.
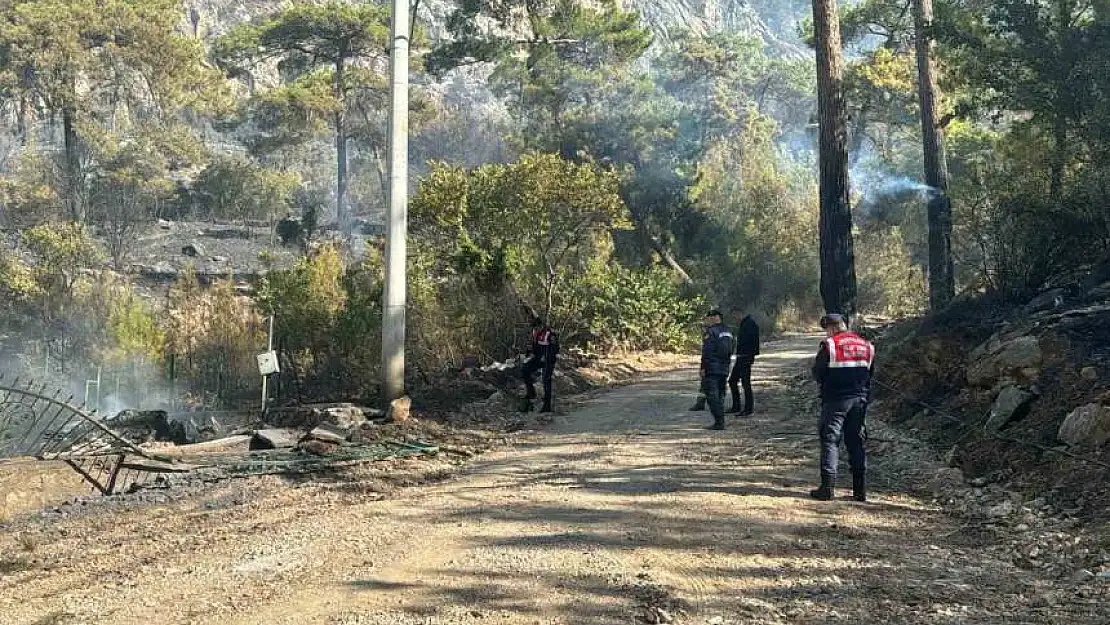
point(756, 246)
point(499, 242)
point(534, 222)
point(640, 308)
point(212, 337)
point(327, 324)
point(890, 283)
point(1013, 237)
point(234, 188)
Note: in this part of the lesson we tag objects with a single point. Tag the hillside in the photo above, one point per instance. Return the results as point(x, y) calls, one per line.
point(1013, 395)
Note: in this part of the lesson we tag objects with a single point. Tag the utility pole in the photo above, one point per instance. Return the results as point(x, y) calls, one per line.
point(393, 310)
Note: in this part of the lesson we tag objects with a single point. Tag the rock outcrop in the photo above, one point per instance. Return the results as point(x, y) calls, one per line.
point(1086, 426)
point(1010, 405)
point(999, 358)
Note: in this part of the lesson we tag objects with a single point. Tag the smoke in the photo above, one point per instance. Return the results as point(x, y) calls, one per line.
point(104, 390)
point(881, 194)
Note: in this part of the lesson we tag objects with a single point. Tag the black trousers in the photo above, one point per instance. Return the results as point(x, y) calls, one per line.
point(741, 374)
point(700, 404)
point(528, 372)
point(713, 387)
point(843, 419)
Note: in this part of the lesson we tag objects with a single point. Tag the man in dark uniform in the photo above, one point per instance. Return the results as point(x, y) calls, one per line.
point(699, 404)
point(716, 356)
point(545, 347)
point(747, 348)
point(843, 367)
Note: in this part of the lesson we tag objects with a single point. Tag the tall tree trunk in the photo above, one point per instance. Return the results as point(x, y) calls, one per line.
point(74, 192)
point(341, 210)
point(838, 267)
point(942, 282)
point(1059, 149)
point(859, 135)
point(1063, 18)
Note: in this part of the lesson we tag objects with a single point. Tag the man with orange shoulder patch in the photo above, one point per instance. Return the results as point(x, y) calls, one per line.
point(844, 365)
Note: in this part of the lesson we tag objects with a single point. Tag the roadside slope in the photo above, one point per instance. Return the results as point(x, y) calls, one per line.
point(623, 511)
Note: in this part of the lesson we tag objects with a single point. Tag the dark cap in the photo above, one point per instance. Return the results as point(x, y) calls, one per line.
point(714, 313)
point(832, 319)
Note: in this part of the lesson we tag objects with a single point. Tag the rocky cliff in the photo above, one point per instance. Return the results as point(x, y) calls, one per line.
point(775, 21)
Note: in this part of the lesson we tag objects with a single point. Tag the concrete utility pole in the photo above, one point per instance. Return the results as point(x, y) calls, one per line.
point(393, 310)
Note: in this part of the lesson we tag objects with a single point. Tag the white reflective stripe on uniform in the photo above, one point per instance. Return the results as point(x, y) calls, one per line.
point(850, 364)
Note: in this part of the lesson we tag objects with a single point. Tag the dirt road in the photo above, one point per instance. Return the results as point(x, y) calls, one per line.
point(624, 511)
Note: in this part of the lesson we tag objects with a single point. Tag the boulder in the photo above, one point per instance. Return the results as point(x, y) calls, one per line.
point(162, 268)
point(273, 439)
point(1045, 301)
point(328, 433)
point(1086, 426)
point(1101, 291)
point(399, 410)
point(1089, 374)
point(318, 448)
point(1011, 405)
point(193, 250)
point(990, 346)
point(947, 481)
point(347, 416)
point(308, 416)
point(1016, 355)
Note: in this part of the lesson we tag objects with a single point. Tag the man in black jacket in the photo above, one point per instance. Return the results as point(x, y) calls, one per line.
point(545, 348)
point(844, 366)
point(716, 355)
point(747, 348)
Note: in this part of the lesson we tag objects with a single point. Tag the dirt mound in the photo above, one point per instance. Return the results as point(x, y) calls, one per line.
point(992, 386)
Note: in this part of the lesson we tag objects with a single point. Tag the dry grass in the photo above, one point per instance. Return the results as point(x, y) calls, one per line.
point(27, 542)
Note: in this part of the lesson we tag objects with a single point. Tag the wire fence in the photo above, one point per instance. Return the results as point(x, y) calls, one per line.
point(217, 379)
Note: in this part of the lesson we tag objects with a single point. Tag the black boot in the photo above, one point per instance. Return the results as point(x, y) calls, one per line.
point(859, 486)
point(526, 405)
point(546, 406)
point(825, 492)
point(698, 406)
point(717, 425)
